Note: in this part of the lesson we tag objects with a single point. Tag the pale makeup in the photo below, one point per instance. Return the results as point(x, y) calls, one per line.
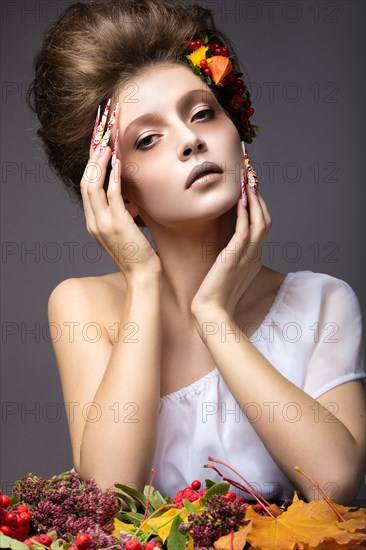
point(183, 125)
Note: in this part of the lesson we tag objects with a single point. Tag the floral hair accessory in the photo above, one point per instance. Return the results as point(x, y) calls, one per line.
point(213, 63)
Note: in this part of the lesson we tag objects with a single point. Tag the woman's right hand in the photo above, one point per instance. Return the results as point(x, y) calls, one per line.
point(107, 218)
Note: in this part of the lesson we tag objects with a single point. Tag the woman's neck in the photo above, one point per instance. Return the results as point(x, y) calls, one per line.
point(187, 256)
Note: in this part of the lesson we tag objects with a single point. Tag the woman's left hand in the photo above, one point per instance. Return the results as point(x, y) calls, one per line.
point(238, 263)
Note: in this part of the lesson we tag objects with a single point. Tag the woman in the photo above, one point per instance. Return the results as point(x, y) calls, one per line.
point(192, 355)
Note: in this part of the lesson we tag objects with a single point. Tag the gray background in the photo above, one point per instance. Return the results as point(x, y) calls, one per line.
point(305, 61)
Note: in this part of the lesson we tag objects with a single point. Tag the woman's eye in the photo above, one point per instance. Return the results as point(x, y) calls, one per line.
point(143, 141)
point(210, 111)
point(145, 146)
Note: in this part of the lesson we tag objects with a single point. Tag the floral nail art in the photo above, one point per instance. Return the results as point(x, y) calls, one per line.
point(244, 197)
point(95, 129)
point(107, 135)
point(100, 128)
point(251, 174)
point(115, 148)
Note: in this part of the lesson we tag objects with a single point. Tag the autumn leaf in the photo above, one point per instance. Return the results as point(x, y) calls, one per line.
point(163, 524)
point(234, 540)
point(308, 526)
point(220, 66)
point(126, 527)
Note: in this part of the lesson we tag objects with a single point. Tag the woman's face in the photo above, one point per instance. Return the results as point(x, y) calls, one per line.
point(183, 125)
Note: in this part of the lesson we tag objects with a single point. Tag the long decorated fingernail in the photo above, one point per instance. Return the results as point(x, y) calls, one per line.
point(100, 129)
point(95, 129)
point(244, 198)
point(107, 135)
point(115, 148)
point(251, 175)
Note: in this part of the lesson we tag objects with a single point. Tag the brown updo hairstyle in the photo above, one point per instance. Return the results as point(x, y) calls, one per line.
point(88, 53)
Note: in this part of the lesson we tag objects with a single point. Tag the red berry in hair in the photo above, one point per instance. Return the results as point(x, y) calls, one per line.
point(215, 45)
point(217, 51)
point(203, 64)
point(196, 485)
point(83, 541)
point(224, 51)
point(4, 501)
point(192, 45)
point(198, 43)
point(250, 111)
point(207, 72)
point(133, 544)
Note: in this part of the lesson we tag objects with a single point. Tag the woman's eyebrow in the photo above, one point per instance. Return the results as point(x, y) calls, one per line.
point(181, 103)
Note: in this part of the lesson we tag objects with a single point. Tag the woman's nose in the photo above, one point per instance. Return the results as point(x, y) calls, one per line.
point(192, 145)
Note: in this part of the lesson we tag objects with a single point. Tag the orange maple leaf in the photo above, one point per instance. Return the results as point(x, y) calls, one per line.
point(233, 540)
point(307, 526)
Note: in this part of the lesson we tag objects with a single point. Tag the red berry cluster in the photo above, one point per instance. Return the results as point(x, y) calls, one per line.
point(215, 47)
point(134, 544)
point(14, 524)
point(190, 493)
point(231, 81)
point(83, 542)
point(46, 540)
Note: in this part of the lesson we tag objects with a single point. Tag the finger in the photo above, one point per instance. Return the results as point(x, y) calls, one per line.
point(114, 191)
point(95, 180)
point(267, 216)
point(88, 211)
point(258, 224)
point(242, 220)
point(95, 190)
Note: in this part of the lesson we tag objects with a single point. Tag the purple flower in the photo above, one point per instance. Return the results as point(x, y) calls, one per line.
point(219, 518)
point(69, 506)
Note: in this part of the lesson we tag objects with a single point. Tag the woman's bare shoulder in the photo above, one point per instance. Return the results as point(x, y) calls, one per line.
point(102, 296)
point(106, 284)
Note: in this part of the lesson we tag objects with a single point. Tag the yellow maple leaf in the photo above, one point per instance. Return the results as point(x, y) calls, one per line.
point(126, 527)
point(236, 540)
point(312, 525)
point(163, 524)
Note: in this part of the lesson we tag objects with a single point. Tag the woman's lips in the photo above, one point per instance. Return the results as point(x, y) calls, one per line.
point(206, 180)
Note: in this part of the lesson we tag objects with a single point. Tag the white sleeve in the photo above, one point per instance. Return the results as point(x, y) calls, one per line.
point(338, 354)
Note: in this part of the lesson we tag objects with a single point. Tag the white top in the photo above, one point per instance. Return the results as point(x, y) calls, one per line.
point(313, 336)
